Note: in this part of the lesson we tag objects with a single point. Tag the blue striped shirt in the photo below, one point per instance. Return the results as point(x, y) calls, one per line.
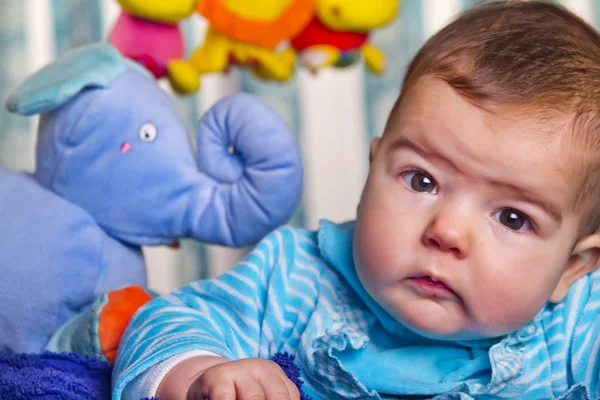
point(298, 292)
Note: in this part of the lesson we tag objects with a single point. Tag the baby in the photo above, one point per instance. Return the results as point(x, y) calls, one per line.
point(469, 271)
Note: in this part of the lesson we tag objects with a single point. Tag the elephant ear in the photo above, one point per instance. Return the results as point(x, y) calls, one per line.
point(94, 65)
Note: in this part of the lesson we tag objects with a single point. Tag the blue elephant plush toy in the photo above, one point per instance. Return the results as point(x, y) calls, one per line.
point(115, 171)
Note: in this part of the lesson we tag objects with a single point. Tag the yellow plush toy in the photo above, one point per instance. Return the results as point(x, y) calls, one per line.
point(339, 31)
point(247, 33)
point(147, 31)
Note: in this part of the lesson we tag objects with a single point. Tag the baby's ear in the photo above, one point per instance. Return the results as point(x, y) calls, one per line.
point(373, 148)
point(584, 260)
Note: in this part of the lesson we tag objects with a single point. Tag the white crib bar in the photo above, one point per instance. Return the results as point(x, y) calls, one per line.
point(437, 13)
point(334, 142)
point(584, 8)
point(40, 51)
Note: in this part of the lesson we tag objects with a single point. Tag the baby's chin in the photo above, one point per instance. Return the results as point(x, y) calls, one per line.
point(447, 335)
point(433, 328)
point(438, 325)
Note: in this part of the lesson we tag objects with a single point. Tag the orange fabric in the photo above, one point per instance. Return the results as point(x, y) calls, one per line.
point(115, 316)
point(259, 33)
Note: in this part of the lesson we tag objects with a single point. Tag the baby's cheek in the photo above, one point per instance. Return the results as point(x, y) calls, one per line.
point(369, 254)
point(506, 303)
point(383, 251)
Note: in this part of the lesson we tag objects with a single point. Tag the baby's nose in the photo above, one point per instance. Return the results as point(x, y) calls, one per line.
point(448, 232)
point(445, 246)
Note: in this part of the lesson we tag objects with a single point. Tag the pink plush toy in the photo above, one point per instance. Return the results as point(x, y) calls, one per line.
point(149, 33)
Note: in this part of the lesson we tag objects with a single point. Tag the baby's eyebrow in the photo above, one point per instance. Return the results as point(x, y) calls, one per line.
point(549, 207)
point(404, 143)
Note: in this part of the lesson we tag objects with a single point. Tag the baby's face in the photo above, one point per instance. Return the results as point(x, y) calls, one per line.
point(466, 221)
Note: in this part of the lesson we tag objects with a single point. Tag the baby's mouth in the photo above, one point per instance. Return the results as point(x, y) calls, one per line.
point(430, 285)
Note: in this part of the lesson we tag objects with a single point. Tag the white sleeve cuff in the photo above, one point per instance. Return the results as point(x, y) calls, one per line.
point(146, 384)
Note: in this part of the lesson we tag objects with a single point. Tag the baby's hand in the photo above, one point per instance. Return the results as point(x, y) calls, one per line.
point(247, 379)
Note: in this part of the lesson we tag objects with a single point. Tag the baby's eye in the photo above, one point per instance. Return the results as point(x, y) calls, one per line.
point(419, 181)
point(513, 219)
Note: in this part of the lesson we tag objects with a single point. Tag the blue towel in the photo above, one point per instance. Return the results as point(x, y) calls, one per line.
point(50, 376)
point(53, 376)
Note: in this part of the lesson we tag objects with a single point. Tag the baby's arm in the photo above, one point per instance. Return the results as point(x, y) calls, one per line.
point(215, 377)
point(232, 318)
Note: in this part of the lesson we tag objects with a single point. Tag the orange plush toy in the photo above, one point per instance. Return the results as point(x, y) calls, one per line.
point(247, 33)
point(98, 331)
point(113, 315)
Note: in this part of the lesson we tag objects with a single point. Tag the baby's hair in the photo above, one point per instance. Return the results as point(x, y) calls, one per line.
point(527, 55)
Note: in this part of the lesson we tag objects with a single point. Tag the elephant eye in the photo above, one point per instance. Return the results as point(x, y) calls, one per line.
point(148, 132)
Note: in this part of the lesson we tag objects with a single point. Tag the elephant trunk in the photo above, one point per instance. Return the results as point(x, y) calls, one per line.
point(251, 173)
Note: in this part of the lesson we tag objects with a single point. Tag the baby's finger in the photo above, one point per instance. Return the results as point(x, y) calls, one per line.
point(277, 388)
point(203, 389)
point(292, 388)
point(249, 389)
